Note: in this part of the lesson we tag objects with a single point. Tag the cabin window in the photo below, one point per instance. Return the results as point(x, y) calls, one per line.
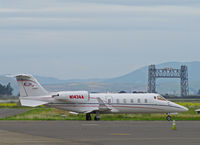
point(138, 100)
point(117, 101)
point(145, 101)
point(132, 101)
point(154, 97)
point(124, 101)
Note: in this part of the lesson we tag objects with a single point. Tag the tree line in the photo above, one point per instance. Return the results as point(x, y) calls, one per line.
point(6, 90)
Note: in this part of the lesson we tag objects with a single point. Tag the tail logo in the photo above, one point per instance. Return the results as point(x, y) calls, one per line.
point(28, 84)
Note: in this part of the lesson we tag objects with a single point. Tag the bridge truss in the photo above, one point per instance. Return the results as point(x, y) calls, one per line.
point(181, 73)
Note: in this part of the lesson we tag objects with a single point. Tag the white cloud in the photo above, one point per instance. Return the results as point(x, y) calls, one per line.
point(107, 34)
point(96, 16)
point(88, 8)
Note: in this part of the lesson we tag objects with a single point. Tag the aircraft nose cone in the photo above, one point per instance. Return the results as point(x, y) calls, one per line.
point(178, 107)
point(184, 108)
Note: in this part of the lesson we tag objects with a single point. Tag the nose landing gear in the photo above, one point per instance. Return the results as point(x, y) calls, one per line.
point(169, 118)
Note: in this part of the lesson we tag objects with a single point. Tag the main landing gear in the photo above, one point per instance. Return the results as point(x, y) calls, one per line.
point(88, 117)
point(97, 117)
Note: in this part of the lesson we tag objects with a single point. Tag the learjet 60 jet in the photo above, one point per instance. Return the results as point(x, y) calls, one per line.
point(33, 94)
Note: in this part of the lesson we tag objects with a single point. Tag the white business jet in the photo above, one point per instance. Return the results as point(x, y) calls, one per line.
point(33, 94)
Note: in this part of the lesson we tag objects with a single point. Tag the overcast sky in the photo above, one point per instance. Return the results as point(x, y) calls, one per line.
point(96, 38)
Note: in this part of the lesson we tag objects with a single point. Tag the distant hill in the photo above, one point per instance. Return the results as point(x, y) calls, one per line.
point(133, 81)
point(140, 76)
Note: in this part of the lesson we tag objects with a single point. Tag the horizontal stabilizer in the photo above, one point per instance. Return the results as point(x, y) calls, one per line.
point(31, 103)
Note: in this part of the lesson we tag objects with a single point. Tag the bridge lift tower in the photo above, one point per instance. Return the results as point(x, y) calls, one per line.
point(181, 73)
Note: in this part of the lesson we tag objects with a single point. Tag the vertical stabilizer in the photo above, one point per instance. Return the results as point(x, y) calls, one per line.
point(29, 86)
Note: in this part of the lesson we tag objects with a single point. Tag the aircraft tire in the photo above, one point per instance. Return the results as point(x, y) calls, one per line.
point(169, 118)
point(96, 119)
point(88, 117)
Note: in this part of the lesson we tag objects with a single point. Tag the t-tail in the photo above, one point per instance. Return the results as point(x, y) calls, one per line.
point(29, 86)
point(31, 92)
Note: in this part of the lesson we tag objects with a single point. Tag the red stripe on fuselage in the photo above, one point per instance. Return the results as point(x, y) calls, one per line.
point(121, 106)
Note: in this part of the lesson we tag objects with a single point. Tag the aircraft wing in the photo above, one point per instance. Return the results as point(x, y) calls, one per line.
point(90, 110)
point(102, 106)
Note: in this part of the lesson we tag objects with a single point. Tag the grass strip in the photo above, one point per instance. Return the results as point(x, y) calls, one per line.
point(46, 113)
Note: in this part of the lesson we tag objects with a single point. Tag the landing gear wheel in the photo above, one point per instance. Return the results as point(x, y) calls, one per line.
point(169, 118)
point(97, 117)
point(88, 117)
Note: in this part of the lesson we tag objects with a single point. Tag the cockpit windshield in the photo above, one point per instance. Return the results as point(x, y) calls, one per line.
point(161, 98)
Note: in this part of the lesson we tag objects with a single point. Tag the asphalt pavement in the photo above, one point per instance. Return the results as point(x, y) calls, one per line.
point(99, 133)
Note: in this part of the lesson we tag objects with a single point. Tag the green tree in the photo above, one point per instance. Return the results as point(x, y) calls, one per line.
point(198, 93)
point(9, 89)
point(6, 90)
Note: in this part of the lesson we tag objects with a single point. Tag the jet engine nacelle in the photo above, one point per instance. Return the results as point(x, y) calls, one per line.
point(73, 96)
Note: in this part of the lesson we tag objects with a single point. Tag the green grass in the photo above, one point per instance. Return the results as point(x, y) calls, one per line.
point(45, 113)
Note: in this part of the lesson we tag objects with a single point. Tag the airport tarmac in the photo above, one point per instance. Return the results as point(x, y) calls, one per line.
point(99, 133)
